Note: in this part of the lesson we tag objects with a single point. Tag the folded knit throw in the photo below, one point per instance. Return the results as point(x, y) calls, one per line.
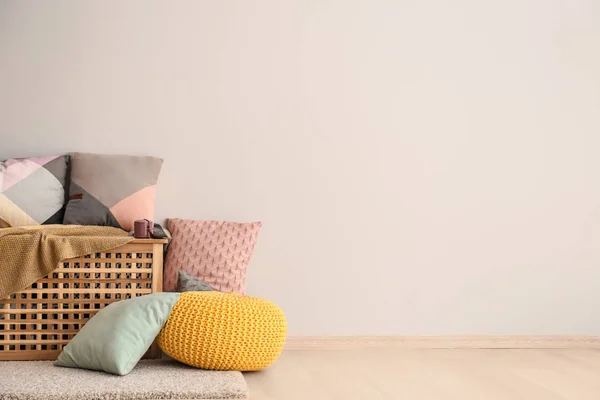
point(28, 254)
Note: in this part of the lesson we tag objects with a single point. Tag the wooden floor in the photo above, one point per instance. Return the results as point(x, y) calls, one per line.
point(394, 373)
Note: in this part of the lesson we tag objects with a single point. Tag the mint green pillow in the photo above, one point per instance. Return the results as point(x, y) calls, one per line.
point(117, 337)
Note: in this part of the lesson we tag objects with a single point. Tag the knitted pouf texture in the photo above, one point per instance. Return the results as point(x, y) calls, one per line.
point(224, 331)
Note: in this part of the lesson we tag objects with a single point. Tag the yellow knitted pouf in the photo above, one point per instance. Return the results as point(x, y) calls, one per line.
point(224, 331)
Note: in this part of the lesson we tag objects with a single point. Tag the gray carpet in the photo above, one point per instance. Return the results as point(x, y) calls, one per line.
point(151, 379)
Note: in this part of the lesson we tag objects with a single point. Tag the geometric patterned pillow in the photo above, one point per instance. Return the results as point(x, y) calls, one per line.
point(32, 190)
point(215, 252)
point(111, 190)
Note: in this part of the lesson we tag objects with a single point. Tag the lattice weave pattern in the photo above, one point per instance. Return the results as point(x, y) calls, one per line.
point(216, 252)
point(37, 322)
point(224, 331)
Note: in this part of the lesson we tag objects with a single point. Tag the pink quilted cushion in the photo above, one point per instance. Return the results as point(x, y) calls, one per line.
point(216, 252)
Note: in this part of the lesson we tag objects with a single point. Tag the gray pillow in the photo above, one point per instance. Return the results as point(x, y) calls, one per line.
point(116, 338)
point(111, 189)
point(33, 192)
point(189, 283)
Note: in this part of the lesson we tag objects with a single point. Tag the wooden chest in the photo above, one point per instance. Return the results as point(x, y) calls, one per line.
point(37, 322)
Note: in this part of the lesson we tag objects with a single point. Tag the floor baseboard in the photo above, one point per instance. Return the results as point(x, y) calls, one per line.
point(445, 342)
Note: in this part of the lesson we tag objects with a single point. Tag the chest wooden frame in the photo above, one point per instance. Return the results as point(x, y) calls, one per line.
point(37, 322)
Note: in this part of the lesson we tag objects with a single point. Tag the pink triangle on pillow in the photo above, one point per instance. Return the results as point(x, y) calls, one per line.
point(17, 170)
point(43, 160)
point(139, 205)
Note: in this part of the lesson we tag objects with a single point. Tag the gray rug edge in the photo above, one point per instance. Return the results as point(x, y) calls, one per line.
point(179, 382)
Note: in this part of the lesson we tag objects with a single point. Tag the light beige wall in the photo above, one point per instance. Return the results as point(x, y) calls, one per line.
point(422, 167)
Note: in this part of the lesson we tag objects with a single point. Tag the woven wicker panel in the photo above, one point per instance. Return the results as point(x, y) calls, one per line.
point(36, 323)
